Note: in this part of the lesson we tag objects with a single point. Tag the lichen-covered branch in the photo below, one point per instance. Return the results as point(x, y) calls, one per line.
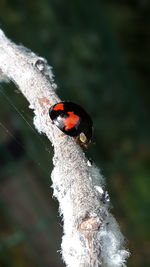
point(92, 236)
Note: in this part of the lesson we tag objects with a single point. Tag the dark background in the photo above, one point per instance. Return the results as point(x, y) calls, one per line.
point(100, 53)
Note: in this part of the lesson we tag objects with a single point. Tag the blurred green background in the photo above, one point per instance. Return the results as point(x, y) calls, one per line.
point(100, 53)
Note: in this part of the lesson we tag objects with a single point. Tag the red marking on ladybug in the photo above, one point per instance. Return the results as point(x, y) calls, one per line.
point(72, 120)
point(59, 106)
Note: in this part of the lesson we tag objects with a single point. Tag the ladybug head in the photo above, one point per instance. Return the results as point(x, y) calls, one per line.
point(84, 139)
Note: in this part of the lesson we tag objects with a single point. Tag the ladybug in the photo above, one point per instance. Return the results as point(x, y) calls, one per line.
point(72, 120)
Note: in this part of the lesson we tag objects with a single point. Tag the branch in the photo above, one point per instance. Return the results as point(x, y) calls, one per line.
point(92, 237)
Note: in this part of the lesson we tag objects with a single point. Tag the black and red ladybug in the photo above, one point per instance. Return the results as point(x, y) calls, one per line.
point(72, 120)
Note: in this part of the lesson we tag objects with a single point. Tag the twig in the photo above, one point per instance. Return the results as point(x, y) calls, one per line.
point(92, 236)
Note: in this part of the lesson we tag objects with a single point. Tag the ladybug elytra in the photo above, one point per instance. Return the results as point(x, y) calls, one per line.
point(72, 120)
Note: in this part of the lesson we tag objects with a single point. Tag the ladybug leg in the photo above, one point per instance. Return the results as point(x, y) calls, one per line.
point(62, 134)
